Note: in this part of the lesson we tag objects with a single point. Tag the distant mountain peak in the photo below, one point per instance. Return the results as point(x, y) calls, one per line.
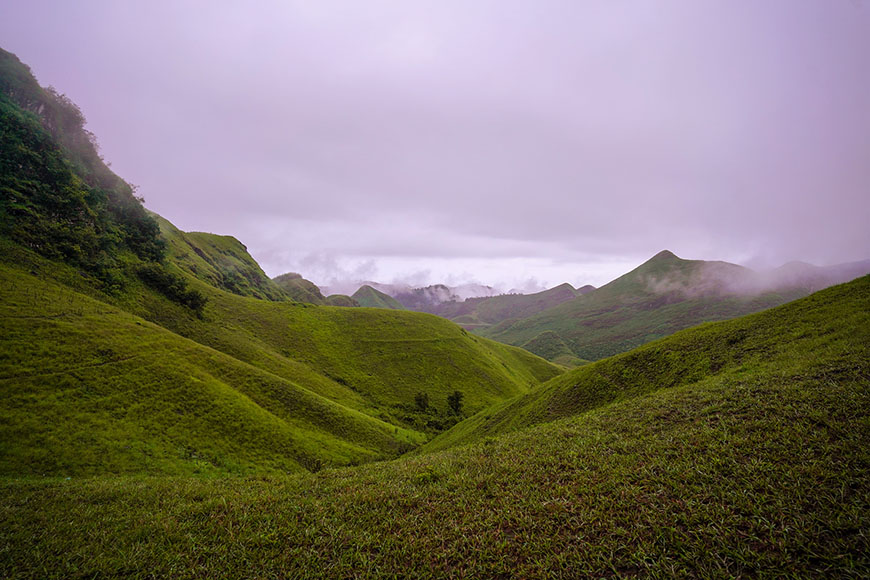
point(664, 255)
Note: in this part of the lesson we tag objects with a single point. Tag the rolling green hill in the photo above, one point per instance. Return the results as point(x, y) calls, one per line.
point(826, 333)
point(339, 383)
point(737, 449)
point(300, 289)
point(221, 261)
point(90, 389)
point(369, 297)
point(342, 300)
point(660, 297)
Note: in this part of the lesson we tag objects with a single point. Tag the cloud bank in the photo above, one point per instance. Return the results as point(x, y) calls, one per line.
point(491, 141)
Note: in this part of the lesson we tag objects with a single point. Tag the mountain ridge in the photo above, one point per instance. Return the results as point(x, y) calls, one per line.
point(664, 294)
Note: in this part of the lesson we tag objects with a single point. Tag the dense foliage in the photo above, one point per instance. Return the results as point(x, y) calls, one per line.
point(59, 199)
point(171, 285)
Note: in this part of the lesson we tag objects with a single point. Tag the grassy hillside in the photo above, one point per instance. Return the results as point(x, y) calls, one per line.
point(342, 300)
point(660, 297)
point(340, 384)
point(300, 289)
point(91, 389)
point(760, 471)
point(369, 297)
point(550, 346)
point(827, 333)
point(220, 261)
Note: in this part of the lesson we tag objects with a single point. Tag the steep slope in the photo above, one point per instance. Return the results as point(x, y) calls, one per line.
point(660, 297)
point(824, 335)
point(221, 261)
point(756, 472)
point(370, 298)
point(300, 289)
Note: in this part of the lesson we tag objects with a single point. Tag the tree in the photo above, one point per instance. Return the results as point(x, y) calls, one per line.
point(454, 401)
point(422, 401)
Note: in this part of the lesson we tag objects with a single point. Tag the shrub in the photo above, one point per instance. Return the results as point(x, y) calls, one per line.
point(172, 286)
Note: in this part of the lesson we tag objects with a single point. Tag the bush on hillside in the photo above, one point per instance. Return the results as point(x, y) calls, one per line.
point(172, 286)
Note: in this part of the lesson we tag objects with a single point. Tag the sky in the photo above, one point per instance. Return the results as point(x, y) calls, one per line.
point(519, 144)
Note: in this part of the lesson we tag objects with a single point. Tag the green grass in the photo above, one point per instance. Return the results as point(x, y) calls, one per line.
point(90, 389)
point(371, 298)
point(654, 300)
point(220, 261)
point(762, 473)
point(300, 289)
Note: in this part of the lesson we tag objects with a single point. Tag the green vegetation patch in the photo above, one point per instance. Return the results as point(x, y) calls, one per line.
point(369, 297)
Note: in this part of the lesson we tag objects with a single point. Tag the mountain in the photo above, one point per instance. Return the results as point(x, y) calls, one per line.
point(736, 449)
point(477, 313)
point(660, 297)
point(300, 289)
point(473, 313)
point(131, 347)
point(371, 298)
point(341, 300)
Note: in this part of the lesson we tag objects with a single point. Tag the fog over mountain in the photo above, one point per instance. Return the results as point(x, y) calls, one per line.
point(506, 143)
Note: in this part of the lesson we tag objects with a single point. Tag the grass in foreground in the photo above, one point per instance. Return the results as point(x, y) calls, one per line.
point(756, 476)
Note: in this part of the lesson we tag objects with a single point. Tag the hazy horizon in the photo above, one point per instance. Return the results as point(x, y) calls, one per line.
point(511, 144)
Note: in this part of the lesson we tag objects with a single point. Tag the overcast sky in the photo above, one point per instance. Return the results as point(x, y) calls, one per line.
point(517, 144)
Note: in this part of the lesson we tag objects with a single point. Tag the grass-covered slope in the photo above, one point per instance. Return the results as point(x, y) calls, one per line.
point(369, 297)
point(758, 472)
point(221, 261)
point(369, 359)
point(304, 380)
point(825, 334)
point(300, 289)
point(90, 389)
point(550, 346)
point(660, 297)
point(342, 300)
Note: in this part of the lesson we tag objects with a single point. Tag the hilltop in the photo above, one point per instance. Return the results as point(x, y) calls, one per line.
point(371, 298)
